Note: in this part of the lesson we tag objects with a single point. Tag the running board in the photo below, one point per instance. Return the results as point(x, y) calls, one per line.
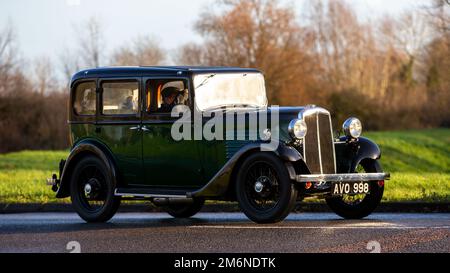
point(149, 193)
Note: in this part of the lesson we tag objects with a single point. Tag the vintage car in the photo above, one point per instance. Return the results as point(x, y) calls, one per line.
point(124, 148)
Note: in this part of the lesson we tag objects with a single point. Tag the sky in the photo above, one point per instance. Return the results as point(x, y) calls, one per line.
point(46, 27)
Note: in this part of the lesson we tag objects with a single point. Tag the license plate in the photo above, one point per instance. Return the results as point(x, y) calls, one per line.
point(341, 188)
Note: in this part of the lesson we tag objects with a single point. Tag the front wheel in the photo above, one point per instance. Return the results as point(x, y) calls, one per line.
point(92, 191)
point(264, 190)
point(360, 205)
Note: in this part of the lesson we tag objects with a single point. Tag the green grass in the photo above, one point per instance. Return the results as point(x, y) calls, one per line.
point(23, 176)
point(419, 162)
point(426, 151)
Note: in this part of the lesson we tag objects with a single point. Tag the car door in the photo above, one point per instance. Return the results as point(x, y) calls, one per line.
point(118, 126)
point(168, 163)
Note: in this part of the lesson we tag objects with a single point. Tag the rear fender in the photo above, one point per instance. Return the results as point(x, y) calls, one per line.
point(79, 151)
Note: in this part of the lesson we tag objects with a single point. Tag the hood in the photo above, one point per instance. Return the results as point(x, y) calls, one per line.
point(287, 114)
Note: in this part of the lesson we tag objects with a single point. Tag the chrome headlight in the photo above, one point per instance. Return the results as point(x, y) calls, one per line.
point(297, 128)
point(352, 128)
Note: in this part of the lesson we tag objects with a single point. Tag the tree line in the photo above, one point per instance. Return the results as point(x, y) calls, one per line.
point(392, 72)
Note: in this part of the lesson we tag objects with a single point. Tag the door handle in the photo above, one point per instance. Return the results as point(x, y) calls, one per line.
point(137, 128)
point(145, 129)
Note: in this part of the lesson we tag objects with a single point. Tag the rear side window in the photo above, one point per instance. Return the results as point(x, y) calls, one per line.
point(120, 98)
point(85, 98)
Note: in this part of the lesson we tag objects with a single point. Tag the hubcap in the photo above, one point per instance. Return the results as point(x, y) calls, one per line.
point(87, 189)
point(262, 184)
point(92, 188)
point(262, 189)
point(259, 187)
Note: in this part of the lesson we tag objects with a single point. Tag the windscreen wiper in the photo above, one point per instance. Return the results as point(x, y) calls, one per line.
point(205, 81)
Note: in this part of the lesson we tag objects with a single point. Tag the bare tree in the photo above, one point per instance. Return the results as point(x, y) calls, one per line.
point(91, 44)
point(436, 63)
point(89, 51)
point(44, 75)
point(69, 64)
point(439, 15)
point(345, 48)
point(8, 57)
point(144, 51)
point(412, 33)
point(191, 54)
point(256, 33)
point(7, 50)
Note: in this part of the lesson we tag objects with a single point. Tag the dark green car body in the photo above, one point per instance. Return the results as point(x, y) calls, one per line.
point(145, 161)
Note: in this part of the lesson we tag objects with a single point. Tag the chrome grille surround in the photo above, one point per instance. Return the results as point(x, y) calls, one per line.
point(318, 144)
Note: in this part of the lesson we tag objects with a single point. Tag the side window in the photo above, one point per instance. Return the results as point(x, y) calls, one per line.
point(120, 98)
point(167, 94)
point(85, 98)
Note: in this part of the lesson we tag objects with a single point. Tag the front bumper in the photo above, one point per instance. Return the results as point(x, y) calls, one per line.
point(345, 177)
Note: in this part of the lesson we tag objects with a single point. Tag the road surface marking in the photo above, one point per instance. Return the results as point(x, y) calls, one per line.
point(312, 227)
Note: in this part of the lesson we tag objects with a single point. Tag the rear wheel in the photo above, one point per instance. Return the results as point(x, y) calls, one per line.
point(185, 210)
point(92, 191)
point(360, 205)
point(264, 190)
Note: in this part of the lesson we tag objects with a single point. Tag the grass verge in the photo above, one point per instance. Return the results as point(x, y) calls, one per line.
point(419, 162)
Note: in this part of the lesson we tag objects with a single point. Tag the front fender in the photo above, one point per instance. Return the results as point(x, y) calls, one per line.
point(219, 184)
point(364, 149)
point(288, 153)
point(81, 149)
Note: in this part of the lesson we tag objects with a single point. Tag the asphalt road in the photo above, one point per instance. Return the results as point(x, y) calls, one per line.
point(225, 232)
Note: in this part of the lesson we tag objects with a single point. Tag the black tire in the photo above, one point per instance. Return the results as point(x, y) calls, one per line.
point(277, 189)
point(185, 210)
point(368, 204)
point(101, 204)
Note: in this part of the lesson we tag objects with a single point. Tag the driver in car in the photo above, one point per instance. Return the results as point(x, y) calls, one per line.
point(169, 95)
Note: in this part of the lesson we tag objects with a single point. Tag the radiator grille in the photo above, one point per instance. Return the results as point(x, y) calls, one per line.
point(318, 147)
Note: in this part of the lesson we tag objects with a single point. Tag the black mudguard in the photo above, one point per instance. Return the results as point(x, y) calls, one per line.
point(81, 149)
point(363, 149)
point(288, 153)
point(219, 184)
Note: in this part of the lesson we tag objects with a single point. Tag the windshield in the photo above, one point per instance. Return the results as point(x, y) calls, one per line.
point(229, 90)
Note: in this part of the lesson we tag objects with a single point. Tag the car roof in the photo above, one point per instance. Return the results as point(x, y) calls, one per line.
point(138, 71)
